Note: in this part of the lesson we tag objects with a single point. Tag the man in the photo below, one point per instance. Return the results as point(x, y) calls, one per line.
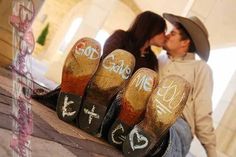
point(190, 37)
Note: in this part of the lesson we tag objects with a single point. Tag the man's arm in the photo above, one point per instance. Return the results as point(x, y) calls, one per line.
point(203, 88)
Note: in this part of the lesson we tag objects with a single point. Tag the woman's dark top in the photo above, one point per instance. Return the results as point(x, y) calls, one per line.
point(120, 40)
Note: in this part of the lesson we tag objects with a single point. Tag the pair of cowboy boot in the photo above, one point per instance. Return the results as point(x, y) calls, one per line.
point(132, 104)
point(88, 85)
point(82, 72)
point(164, 106)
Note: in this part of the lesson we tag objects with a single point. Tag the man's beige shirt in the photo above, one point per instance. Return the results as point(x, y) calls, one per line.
point(198, 109)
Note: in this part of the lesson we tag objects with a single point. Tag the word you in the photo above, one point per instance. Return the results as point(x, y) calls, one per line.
point(169, 97)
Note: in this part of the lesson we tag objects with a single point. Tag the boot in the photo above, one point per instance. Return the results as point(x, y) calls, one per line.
point(165, 105)
point(112, 74)
point(133, 104)
point(79, 67)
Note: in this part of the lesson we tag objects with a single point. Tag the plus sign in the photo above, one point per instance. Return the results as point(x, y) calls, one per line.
point(91, 113)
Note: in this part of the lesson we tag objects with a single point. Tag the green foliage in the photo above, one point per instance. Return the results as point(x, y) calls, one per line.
point(42, 38)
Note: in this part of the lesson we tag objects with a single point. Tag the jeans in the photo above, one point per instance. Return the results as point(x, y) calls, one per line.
point(180, 138)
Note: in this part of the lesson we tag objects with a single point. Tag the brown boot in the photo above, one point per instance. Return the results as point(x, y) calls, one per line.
point(133, 104)
point(79, 67)
point(165, 105)
point(113, 72)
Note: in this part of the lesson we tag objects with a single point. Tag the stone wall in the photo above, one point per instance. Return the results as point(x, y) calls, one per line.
point(225, 117)
point(6, 44)
point(52, 12)
point(5, 33)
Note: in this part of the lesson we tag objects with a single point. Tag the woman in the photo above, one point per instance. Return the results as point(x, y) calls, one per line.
point(147, 29)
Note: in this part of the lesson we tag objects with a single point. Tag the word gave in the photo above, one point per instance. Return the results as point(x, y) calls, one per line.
point(120, 68)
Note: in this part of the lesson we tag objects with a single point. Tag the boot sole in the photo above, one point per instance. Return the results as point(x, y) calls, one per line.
point(133, 104)
point(79, 67)
point(165, 105)
point(115, 70)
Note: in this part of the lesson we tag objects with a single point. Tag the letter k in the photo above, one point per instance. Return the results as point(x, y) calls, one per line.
point(64, 110)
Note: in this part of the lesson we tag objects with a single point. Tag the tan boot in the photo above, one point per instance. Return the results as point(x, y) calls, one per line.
point(112, 74)
point(165, 105)
point(79, 67)
point(133, 104)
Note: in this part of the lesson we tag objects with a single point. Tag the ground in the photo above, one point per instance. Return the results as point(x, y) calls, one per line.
point(51, 137)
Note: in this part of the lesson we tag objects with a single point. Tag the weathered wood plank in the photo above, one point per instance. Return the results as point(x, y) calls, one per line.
point(47, 126)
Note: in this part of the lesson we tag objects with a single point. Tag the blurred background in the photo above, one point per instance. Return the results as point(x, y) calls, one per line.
point(59, 24)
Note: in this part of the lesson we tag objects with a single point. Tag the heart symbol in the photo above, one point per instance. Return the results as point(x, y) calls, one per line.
point(141, 141)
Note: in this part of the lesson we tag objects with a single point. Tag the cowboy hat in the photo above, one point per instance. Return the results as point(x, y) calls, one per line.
point(196, 30)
